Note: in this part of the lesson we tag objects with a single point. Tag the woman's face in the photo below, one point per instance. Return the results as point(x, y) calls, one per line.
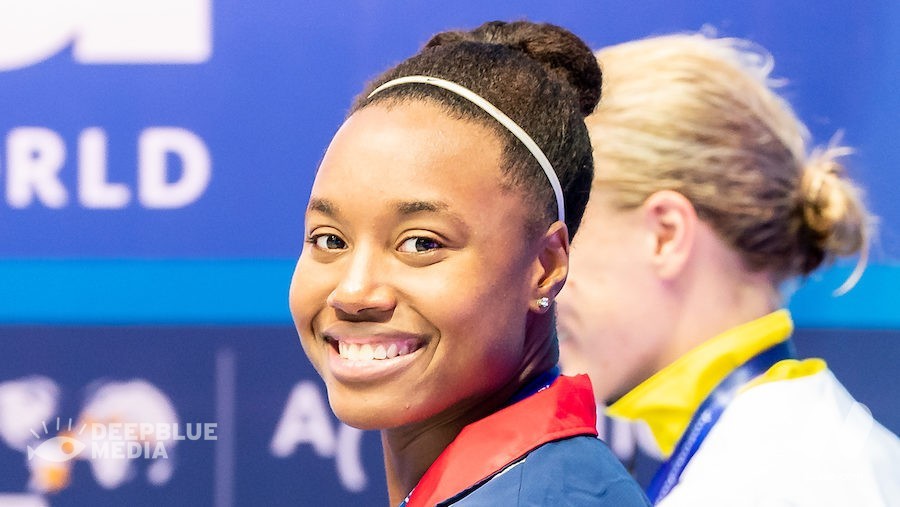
point(412, 290)
point(612, 325)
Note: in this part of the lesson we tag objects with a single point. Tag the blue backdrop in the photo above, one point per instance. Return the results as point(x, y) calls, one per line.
point(156, 157)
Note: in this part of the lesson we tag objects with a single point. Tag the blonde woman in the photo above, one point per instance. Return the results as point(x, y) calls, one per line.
point(706, 198)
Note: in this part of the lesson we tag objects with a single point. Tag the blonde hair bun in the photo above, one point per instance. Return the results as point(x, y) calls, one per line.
point(699, 115)
point(835, 220)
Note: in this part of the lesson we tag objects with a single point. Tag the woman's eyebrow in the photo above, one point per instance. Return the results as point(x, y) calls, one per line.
point(411, 207)
point(407, 208)
point(323, 206)
point(404, 208)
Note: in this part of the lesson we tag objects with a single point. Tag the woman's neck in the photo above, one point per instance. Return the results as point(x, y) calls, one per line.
point(410, 449)
point(719, 294)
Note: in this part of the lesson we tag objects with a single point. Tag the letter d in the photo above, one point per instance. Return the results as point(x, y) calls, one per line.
point(154, 189)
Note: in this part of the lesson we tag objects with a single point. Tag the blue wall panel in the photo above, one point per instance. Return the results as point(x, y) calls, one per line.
point(106, 282)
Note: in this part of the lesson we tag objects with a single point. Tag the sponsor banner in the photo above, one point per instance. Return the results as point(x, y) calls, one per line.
point(222, 416)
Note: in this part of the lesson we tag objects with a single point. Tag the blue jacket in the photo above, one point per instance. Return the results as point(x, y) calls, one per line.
point(575, 471)
point(541, 449)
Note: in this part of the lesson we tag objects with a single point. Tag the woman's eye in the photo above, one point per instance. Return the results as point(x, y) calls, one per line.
point(419, 244)
point(329, 242)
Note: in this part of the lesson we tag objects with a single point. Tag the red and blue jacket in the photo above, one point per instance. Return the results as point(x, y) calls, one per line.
point(540, 450)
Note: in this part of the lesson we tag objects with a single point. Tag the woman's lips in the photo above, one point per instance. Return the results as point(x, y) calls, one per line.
point(355, 359)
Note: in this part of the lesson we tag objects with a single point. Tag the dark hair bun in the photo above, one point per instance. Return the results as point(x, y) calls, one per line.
point(541, 76)
point(559, 51)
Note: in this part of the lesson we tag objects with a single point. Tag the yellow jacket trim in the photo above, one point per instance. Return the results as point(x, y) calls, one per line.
point(788, 369)
point(667, 400)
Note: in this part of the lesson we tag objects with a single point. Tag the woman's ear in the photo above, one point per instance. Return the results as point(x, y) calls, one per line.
point(552, 266)
point(672, 221)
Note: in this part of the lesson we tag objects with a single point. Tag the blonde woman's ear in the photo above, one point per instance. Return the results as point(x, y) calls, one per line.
point(672, 222)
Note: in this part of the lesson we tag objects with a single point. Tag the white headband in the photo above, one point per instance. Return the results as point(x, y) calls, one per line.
point(492, 110)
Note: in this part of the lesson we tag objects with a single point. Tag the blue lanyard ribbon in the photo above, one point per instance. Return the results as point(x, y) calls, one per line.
point(708, 414)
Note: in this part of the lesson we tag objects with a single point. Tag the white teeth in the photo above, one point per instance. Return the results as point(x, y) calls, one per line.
point(369, 352)
point(351, 350)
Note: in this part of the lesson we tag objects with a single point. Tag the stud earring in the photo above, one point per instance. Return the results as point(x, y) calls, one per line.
point(543, 303)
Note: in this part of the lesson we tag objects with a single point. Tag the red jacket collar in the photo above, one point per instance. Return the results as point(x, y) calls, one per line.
point(483, 448)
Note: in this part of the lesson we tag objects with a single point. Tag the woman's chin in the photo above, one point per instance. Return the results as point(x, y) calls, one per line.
point(359, 418)
point(365, 414)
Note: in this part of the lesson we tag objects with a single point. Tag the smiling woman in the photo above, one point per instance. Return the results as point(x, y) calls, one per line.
point(438, 232)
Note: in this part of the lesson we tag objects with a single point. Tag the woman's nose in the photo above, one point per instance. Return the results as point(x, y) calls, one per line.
point(361, 288)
